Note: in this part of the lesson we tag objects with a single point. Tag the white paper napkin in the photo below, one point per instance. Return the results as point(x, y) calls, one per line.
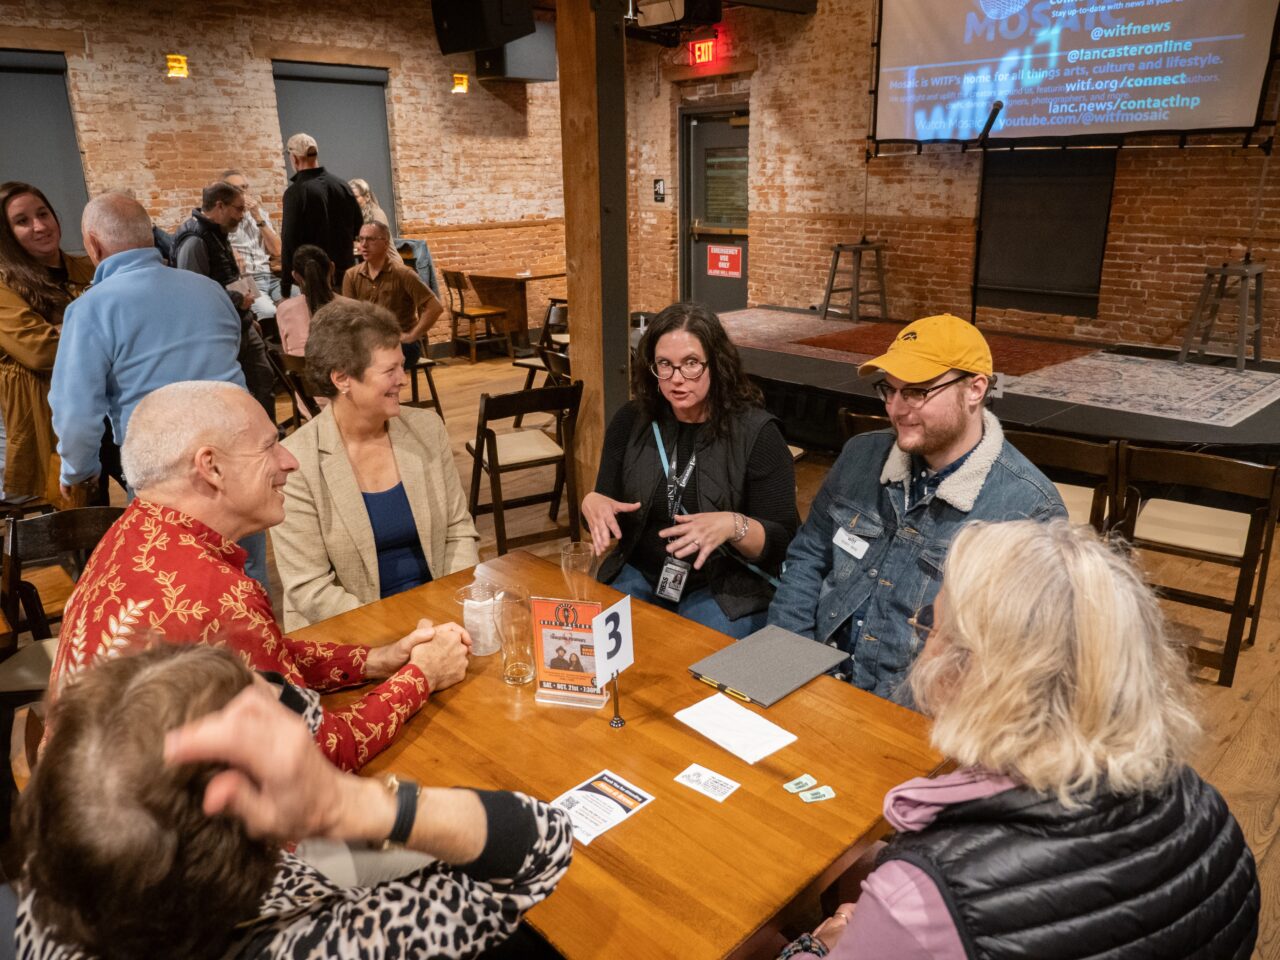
point(743, 733)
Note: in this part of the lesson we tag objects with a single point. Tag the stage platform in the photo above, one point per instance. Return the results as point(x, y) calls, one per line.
point(808, 369)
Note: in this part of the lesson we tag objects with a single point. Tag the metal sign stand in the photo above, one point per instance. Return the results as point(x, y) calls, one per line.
point(617, 720)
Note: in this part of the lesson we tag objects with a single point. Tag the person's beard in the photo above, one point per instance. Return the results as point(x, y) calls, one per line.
point(935, 432)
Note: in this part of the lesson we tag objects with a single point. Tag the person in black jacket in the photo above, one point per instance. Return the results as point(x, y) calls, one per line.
point(696, 481)
point(1074, 826)
point(202, 246)
point(319, 208)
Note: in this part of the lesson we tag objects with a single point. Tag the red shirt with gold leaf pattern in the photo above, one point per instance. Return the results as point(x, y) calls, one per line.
point(159, 572)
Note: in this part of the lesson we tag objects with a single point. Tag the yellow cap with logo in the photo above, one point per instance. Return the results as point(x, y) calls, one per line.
point(930, 347)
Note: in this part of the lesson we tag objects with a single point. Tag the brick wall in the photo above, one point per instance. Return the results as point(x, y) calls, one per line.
point(489, 158)
point(1173, 211)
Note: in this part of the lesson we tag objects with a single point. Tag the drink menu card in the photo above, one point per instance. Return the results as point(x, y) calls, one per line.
point(564, 654)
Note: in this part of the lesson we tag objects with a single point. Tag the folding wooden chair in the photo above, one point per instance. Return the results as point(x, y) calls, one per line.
point(1164, 496)
point(501, 453)
point(1085, 472)
point(455, 282)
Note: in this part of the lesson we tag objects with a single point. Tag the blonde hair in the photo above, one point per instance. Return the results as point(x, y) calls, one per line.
point(1055, 667)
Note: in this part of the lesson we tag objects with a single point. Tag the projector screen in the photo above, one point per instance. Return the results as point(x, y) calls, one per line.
point(1070, 68)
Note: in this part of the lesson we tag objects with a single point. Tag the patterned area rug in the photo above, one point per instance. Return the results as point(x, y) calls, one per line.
point(1221, 396)
point(1013, 356)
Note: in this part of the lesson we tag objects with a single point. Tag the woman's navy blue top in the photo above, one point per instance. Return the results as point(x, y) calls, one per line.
point(401, 563)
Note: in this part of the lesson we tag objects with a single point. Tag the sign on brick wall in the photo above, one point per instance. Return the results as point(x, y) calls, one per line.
point(724, 261)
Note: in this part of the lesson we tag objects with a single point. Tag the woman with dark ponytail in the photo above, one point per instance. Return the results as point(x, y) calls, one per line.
point(313, 276)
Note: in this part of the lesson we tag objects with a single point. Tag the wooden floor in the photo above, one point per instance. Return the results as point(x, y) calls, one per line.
point(1240, 751)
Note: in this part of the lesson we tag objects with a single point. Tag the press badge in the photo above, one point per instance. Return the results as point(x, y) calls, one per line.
point(851, 543)
point(675, 574)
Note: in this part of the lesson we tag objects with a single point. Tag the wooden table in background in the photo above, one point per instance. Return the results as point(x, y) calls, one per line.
point(685, 876)
point(509, 289)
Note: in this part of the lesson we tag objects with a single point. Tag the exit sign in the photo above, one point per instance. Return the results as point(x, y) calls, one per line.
point(702, 51)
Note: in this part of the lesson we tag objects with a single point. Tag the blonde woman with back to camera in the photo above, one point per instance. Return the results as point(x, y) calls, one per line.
point(1074, 826)
point(375, 506)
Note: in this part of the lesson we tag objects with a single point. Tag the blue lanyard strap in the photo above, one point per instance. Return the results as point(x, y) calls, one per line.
point(674, 503)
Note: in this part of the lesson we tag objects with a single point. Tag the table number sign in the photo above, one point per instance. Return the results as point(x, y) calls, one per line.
point(614, 649)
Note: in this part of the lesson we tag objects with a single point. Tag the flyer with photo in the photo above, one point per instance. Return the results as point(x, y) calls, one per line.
point(564, 652)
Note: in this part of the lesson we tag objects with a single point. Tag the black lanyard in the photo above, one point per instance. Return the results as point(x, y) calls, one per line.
point(675, 484)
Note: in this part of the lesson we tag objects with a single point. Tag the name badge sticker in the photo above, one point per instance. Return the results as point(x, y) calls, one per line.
point(851, 543)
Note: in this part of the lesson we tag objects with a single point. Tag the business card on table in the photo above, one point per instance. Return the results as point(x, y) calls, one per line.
point(707, 782)
point(599, 804)
point(813, 796)
point(802, 782)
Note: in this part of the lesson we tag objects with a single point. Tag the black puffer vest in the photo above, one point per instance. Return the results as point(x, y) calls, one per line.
point(1165, 876)
point(720, 482)
point(222, 259)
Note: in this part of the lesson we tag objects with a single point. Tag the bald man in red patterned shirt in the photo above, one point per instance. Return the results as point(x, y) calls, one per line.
point(208, 469)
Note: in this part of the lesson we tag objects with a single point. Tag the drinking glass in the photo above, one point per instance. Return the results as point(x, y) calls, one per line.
point(513, 622)
point(578, 564)
point(476, 600)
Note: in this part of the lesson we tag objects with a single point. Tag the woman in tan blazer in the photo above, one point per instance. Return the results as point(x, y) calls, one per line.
point(375, 506)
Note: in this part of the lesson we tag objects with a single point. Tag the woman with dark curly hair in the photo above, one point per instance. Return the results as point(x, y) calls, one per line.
point(695, 480)
point(37, 281)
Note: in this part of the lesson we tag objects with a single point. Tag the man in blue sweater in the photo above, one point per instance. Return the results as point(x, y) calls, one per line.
point(141, 325)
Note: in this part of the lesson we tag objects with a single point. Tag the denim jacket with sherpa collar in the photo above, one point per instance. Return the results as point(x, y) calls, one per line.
point(891, 564)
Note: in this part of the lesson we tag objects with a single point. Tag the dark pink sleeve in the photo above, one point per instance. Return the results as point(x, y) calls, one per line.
point(902, 915)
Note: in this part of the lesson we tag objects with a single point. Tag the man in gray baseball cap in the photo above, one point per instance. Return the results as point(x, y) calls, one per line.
point(319, 208)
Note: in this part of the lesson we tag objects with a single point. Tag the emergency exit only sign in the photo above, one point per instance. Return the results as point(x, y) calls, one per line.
point(724, 261)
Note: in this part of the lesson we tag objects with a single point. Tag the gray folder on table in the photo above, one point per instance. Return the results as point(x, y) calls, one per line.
point(766, 666)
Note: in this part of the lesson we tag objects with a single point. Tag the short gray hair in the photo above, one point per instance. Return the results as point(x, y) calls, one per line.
point(171, 423)
point(119, 222)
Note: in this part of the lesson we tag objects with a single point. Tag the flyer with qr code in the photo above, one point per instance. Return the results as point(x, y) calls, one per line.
point(599, 804)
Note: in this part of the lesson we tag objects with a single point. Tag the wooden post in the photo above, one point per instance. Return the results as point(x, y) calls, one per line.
point(590, 47)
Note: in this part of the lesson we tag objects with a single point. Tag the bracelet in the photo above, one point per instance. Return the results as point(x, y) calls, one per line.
point(741, 525)
point(406, 794)
point(261, 223)
point(805, 943)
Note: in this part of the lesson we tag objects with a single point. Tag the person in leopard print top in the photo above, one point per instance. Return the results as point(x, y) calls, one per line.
point(153, 824)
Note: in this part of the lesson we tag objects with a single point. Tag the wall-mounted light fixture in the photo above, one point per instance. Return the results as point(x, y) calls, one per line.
point(461, 83)
point(176, 64)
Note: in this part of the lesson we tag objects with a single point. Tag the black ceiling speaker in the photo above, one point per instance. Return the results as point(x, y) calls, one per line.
point(464, 25)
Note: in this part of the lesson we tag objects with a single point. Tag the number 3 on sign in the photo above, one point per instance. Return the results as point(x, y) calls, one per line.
point(612, 634)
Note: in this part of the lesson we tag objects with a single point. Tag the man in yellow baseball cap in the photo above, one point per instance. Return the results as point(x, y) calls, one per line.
point(862, 572)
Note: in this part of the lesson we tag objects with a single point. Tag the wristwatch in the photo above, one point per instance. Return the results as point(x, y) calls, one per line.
point(406, 794)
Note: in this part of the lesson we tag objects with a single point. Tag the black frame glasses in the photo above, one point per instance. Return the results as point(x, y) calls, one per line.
point(683, 367)
point(913, 397)
point(922, 623)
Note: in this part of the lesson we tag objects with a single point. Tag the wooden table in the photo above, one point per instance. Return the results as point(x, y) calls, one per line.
point(685, 876)
point(509, 289)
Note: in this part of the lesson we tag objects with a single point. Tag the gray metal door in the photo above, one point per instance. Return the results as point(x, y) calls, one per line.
point(38, 142)
point(345, 109)
point(714, 212)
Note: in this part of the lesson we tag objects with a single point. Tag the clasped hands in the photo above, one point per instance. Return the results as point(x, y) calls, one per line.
point(440, 651)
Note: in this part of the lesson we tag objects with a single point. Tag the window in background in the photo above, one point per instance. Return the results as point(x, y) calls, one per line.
point(1044, 229)
point(38, 140)
point(345, 109)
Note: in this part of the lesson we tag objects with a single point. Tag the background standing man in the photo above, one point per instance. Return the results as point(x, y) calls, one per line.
point(319, 208)
point(255, 242)
point(382, 280)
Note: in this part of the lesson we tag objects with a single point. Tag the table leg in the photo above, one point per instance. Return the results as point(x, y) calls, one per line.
point(512, 296)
